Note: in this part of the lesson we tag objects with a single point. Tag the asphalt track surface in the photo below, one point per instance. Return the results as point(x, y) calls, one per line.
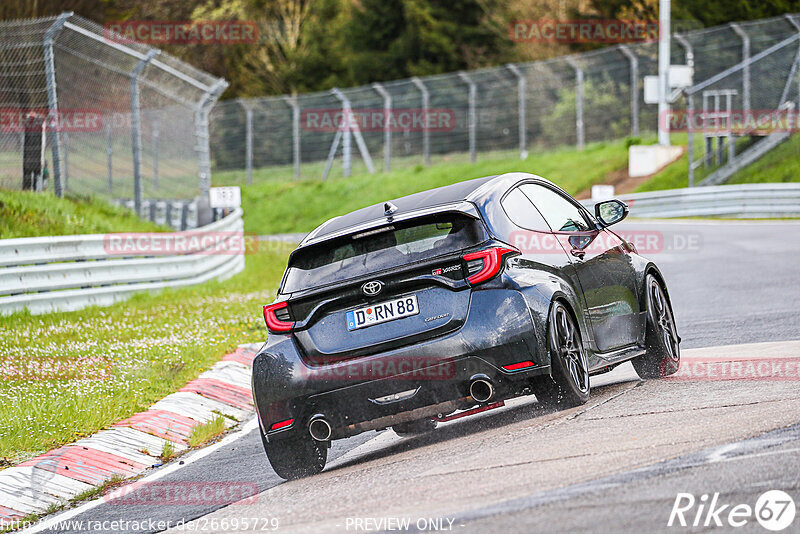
point(616, 464)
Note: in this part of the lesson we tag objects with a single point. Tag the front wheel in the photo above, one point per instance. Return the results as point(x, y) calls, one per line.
point(568, 384)
point(663, 356)
point(296, 457)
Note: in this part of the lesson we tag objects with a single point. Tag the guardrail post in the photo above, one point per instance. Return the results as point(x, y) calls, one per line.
point(472, 121)
point(136, 133)
point(387, 128)
point(426, 135)
point(52, 99)
point(248, 140)
point(634, 61)
point(202, 134)
point(521, 97)
point(579, 127)
point(292, 101)
point(746, 60)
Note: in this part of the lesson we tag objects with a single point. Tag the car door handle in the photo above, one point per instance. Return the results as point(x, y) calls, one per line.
point(578, 253)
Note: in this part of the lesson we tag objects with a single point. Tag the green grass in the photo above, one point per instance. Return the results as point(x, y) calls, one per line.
point(202, 434)
point(780, 165)
point(28, 214)
point(276, 203)
point(121, 358)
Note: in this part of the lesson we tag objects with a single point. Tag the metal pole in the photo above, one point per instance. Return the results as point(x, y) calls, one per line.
point(344, 127)
point(109, 154)
point(472, 121)
point(387, 128)
point(352, 128)
point(746, 60)
point(634, 88)
point(690, 129)
point(663, 71)
point(687, 46)
point(136, 133)
point(521, 97)
point(52, 98)
point(292, 101)
point(155, 151)
point(579, 127)
point(202, 134)
point(426, 135)
point(248, 146)
point(65, 171)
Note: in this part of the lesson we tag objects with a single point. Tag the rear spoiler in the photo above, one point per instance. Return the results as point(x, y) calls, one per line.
point(463, 207)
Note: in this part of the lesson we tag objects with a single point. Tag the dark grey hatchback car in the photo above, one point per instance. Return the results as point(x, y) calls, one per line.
point(400, 314)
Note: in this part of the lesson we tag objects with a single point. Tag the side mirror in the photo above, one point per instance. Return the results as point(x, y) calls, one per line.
point(610, 212)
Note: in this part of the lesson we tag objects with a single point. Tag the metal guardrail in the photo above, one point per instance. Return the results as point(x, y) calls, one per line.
point(65, 273)
point(735, 201)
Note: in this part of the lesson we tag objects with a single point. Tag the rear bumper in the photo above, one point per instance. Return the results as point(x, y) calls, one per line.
point(425, 378)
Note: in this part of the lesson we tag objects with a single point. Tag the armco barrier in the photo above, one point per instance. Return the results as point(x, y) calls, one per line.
point(63, 273)
point(754, 201)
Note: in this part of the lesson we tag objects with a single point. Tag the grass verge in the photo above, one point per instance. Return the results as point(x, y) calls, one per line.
point(66, 375)
point(205, 432)
point(28, 214)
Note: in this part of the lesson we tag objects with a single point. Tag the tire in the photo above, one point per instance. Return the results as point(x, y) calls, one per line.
point(296, 457)
point(663, 356)
point(413, 428)
point(568, 383)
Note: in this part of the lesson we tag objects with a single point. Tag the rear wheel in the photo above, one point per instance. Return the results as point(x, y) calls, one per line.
point(296, 457)
point(663, 355)
point(568, 384)
point(412, 428)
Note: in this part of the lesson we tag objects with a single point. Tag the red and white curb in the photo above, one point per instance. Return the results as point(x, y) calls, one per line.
point(130, 446)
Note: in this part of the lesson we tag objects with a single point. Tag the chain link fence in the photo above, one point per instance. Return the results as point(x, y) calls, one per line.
point(84, 110)
point(574, 100)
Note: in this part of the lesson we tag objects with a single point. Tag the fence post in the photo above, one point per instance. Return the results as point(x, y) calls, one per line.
point(634, 88)
point(248, 146)
point(690, 130)
point(426, 135)
point(292, 101)
point(65, 157)
point(521, 97)
point(202, 134)
point(579, 128)
point(155, 151)
point(687, 46)
point(473, 93)
point(387, 128)
point(746, 60)
point(136, 133)
point(352, 130)
point(347, 144)
point(109, 154)
point(52, 99)
point(796, 24)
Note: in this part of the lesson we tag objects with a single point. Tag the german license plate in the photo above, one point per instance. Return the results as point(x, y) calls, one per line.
point(382, 312)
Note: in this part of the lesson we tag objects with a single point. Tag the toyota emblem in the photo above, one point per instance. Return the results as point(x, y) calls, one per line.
point(372, 288)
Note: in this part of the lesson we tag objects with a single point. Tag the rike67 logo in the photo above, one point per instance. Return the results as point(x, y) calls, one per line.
point(774, 510)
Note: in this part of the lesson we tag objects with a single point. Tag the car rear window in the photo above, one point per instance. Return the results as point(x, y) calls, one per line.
point(381, 248)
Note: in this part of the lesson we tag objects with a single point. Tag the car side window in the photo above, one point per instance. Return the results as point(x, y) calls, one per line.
point(561, 214)
point(522, 213)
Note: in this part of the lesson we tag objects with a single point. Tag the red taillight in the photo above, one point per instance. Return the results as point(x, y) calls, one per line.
point(492, 259)
point(282, 424)
point(519, 365)
point(271, 318)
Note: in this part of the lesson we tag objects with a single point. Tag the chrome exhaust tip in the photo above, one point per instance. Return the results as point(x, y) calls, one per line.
point(481, 389)
point(319, 428)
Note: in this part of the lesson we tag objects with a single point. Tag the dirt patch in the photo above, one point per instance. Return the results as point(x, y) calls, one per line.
point(622, 181)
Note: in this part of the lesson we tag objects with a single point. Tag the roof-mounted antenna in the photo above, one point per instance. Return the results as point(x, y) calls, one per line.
point(389, 209)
